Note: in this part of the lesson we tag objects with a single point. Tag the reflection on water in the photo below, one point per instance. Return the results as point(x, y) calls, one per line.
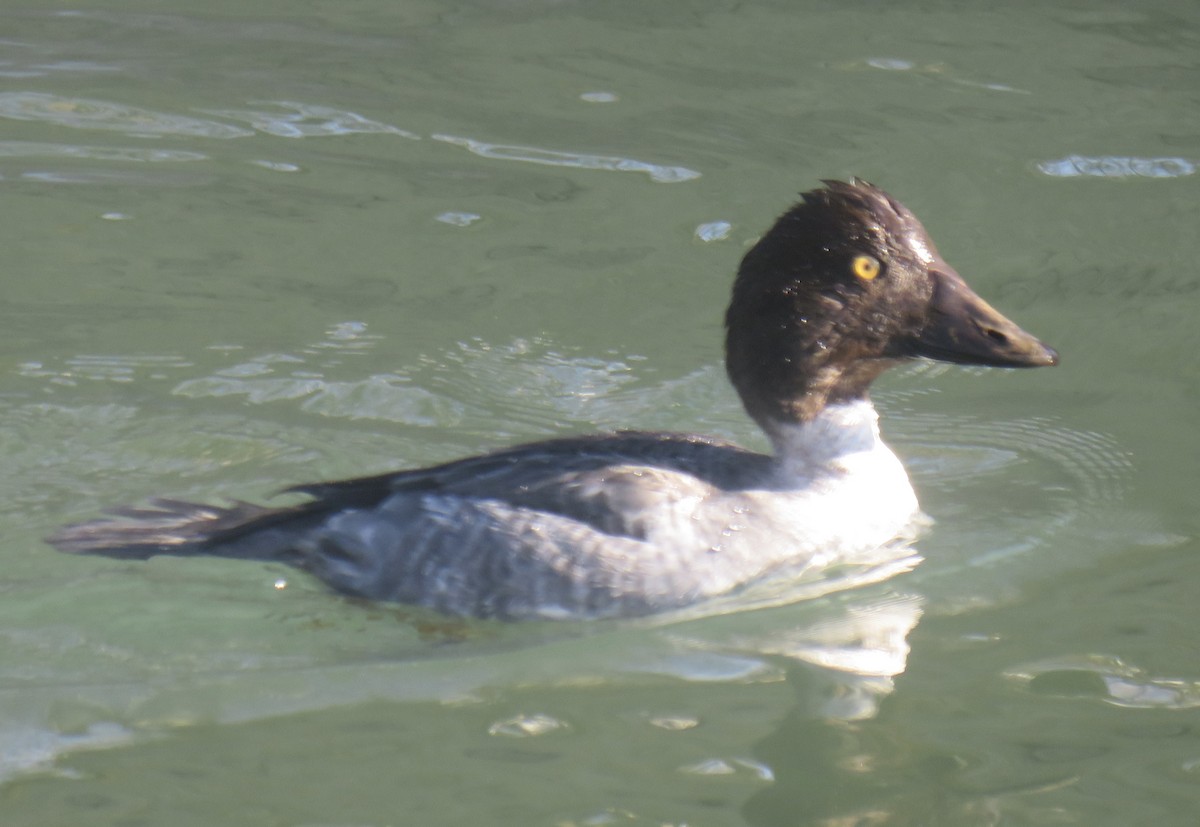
point(857, 643)
point(124, 691)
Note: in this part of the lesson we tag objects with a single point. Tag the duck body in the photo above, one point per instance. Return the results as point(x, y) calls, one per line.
point(846, 284)
point(621, 525)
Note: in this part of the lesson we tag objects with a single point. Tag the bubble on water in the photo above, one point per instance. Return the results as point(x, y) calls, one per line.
point(714, 231)
point(458, 219)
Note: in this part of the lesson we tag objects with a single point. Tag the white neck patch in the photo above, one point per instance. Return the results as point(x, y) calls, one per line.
point(838, 431)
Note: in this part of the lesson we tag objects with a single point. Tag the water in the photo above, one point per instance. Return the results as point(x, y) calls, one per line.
point(248, 246)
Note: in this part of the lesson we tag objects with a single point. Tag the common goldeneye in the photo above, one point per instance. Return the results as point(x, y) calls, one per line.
point(846, 284)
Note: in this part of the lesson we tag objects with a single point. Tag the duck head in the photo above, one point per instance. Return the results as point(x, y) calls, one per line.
point(846, 284)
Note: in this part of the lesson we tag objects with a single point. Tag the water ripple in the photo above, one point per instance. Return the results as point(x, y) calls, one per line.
point(942, 71)
point(38, 149)
point(36, 70)
point(29, 747)
point(1109, 679)
point(84, 113)
point(721, 766)
point(308, 120)
point(578, 160)
point(1116, 166)
point(1096, 463)
point(527, 726)
point(298, 120)
point(458, 219)
point(104, 367)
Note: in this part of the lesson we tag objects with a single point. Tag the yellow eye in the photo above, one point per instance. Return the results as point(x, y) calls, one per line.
point(865, 267)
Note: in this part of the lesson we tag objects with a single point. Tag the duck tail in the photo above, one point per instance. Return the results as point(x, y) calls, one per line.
point(167, 526)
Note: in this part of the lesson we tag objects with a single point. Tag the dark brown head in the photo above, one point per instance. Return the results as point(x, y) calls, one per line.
point(846, 284)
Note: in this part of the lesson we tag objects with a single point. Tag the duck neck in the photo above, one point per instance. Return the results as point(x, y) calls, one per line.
point(838, 430)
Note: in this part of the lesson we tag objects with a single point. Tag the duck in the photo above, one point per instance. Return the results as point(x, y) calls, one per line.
point(846, 284)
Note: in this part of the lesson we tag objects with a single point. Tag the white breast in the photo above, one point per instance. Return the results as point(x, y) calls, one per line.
point(848, 490)
point(837, 494)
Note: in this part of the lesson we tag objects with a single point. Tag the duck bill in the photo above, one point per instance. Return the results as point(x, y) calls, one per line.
point(964, 329)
